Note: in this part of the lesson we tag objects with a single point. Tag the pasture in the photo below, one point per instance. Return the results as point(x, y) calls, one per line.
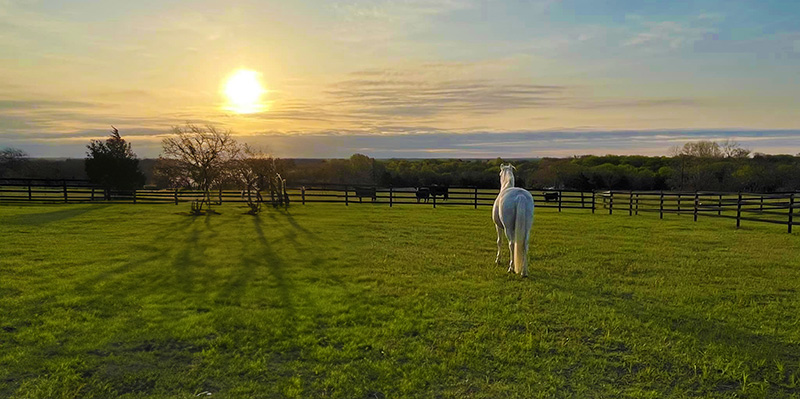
point(143, 301)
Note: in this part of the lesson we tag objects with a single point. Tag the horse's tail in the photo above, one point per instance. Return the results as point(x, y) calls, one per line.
point(522, 228)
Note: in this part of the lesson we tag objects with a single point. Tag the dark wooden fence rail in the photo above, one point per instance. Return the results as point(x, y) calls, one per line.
point(470, 196)
point(776, 208)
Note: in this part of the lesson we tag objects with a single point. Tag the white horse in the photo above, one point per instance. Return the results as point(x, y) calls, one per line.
point(513, 212)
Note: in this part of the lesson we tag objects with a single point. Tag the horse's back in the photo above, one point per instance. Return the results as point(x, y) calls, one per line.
point(516, 195)
point(509, 202)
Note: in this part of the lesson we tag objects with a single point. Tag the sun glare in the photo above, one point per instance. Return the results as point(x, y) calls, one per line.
point(243, 91)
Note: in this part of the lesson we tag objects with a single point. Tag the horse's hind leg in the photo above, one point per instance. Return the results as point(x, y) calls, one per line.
point(525, 258)
point(499, 242)
point(510, 236)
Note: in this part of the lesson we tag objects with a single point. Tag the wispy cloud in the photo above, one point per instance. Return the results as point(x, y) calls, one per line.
point(364, 21)
point(424, 98)
point(783, 45)
point(515, 144)
point(659, 36)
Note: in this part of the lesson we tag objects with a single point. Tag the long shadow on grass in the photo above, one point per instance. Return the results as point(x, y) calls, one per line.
point(123, 364)
point(257, 253)
point(153, 248)
point(264, 254)
point(764, 350)
point(297, 226)
point(290, 234)
point(35, 219)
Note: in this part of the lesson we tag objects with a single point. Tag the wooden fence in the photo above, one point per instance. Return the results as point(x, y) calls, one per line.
point(470, 196)
point(66, 191)
point(776, 208)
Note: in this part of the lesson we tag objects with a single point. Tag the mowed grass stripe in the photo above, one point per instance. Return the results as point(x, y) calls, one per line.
point(364, 301)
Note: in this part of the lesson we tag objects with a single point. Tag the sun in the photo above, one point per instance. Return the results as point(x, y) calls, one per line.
point(243, 91)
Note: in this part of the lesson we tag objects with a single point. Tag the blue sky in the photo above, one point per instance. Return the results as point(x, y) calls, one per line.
point(414, 78)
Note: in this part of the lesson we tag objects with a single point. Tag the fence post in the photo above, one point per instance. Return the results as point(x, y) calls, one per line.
point(346, 199)
point(559, 200)
point(391, 194)
point(791, 212)
point(92, 193)
point(583, 205)
point(30, 194)
point(719, 205)
point(65, 191)
point(761, 209)
point(637, 204)
point(303, 194)
point(696, 204)
point(593, 203)
point(220, 196)
point(611, 202)
point(739, 211)
point(134, 196)
point(476, 196)
point(176, 196)
point(434, 200)
point(679, 203)
point(630, 202)
point(661, 206)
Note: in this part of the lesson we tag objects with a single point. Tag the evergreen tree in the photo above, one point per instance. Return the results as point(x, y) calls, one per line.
point(112, 164)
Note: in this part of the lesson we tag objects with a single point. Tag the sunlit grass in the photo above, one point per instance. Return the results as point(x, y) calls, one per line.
point(369, 301)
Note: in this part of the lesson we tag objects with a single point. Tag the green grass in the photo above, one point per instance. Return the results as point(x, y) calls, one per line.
point(141, 301)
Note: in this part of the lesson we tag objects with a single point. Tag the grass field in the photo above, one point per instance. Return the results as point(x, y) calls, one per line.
point(143, 301)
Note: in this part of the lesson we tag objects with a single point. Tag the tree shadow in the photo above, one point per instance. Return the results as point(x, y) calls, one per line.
point(765, 350)
point(297, 226)
point(277, 268)
point(36, 219)
point(156, 253)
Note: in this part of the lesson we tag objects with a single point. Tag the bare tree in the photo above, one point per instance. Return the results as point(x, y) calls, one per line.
point(702, 149)
point(198, 156)
point(252, 170)
point(257, 171)
point(732, 149)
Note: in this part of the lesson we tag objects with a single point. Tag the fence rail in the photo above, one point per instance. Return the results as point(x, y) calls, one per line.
point(775, 208)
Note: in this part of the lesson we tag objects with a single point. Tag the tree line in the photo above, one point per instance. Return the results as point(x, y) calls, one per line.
point(206, 158)
point(701, 165)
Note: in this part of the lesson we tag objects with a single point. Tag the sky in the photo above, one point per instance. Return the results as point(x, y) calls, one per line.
point(412, 78)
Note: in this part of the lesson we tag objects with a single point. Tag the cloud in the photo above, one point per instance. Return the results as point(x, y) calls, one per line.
point(639, 103)
point(430, 142)
point(371, 21)
point(660, 36)
point(783, 45)
point(40, 104)
point(424, 98)
point(513, 144)
point(444, 97)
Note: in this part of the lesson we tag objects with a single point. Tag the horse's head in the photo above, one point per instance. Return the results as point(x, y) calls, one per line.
point(506, 176)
